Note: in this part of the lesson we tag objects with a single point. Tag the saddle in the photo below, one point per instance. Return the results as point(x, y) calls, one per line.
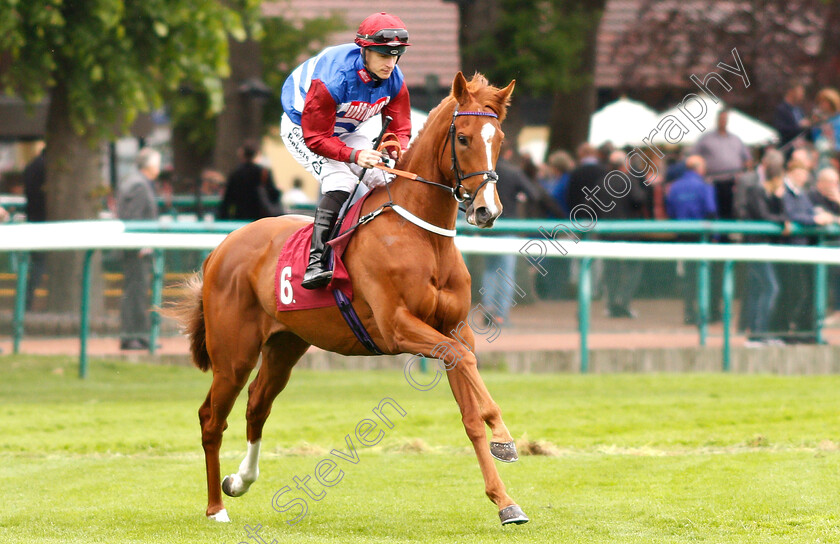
point(294, 256)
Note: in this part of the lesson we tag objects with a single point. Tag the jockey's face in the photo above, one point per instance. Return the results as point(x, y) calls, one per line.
point(380, 65)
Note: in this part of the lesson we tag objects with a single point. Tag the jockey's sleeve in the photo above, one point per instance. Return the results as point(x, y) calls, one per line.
point(400, 111)
point(318, 123)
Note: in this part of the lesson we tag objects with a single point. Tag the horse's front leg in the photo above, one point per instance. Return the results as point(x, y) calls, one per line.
point(502, 446)
point(411, 335)
point(462, 380)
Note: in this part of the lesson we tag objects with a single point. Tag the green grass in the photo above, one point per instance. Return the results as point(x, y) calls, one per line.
point(640, 458)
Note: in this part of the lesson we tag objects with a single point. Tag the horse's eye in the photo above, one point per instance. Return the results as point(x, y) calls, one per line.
point(462, 139)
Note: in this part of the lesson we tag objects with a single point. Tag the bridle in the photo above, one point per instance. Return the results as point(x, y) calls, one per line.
point(490, 176)
point(457, 192)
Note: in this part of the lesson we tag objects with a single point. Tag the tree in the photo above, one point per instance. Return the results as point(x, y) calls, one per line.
point(259, 65)
point(284, 44)
point(548, 46)
point(101, 62)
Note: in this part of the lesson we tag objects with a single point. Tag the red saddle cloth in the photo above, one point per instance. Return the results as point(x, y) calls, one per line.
point(291, 265)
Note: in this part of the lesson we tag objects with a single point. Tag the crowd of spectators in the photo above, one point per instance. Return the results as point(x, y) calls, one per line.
point(795, 181)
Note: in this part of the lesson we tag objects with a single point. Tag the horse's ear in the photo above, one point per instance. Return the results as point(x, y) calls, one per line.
point(505, 93)
point(459, 88)
point(504, 96)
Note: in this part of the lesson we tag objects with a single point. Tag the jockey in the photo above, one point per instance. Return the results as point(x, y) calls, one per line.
point(325, 100)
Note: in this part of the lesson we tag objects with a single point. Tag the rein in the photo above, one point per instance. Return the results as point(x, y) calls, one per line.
point(457, 192)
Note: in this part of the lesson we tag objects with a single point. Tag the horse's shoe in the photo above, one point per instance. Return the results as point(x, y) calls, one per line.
point(220, 516)
point(504, 451)
point(513, 514)
point(233, 486)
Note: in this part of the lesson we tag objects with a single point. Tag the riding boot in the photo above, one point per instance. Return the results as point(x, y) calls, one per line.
point(317, 275)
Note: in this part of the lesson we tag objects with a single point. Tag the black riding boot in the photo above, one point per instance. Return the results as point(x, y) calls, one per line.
point(317, 275)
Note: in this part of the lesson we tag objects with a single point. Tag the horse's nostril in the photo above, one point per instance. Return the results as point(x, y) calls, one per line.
point(482, 215)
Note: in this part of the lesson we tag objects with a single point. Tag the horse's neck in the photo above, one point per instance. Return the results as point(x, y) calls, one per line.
point(430, 203)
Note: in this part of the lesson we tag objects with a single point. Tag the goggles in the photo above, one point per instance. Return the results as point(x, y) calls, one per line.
point(387, 36)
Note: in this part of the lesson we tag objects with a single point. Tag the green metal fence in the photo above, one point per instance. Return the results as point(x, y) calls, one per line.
point(516, 233)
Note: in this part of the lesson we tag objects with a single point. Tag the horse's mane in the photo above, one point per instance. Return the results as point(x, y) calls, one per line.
point(482, 92)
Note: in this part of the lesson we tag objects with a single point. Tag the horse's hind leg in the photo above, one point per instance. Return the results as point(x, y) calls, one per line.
point(279, 355)
point(233, 344)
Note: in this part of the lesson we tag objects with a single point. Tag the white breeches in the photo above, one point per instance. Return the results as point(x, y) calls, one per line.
point(333, 175)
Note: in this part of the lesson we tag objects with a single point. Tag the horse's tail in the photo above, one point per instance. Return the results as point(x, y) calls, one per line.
point(189, 311)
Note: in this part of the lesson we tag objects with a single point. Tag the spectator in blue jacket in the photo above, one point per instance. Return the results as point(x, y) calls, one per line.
point(556, 182)
point(552, 285)
point(690, 198)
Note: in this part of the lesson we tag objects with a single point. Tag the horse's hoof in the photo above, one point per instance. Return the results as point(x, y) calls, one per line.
point(220, 516)
point(227, 484)
point(504, 451)
point(513, 514)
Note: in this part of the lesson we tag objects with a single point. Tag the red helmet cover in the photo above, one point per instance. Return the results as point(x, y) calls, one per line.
point(374, 31)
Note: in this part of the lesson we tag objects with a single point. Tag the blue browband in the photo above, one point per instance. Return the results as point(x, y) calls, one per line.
point(479, 113)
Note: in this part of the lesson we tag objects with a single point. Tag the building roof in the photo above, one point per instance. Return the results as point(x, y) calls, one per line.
point(432, 25)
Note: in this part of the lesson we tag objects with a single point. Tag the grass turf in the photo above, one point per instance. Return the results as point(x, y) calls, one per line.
point(637, 458)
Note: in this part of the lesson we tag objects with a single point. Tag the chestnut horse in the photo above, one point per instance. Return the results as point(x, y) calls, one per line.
point(410, 289)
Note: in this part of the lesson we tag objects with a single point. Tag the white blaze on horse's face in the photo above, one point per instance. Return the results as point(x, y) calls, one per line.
point(484, 209)
point(487, 133)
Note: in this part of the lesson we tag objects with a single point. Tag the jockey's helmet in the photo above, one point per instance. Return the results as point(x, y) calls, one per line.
point(383, 33)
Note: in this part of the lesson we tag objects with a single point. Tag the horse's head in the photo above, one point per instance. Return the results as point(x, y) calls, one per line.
point(475, 137)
